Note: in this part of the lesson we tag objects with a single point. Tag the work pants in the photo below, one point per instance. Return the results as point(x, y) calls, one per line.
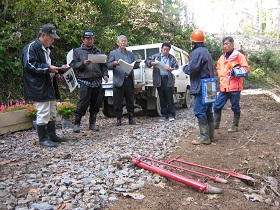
point(89, 97)
point(46, 111)
point(222, 99)
point(166, 98)
point(126, 91)
point(202, 110)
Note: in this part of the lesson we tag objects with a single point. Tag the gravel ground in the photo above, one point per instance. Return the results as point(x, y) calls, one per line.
point(90, 170)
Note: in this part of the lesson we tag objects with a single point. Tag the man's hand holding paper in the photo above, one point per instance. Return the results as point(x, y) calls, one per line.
point(177, 71)
point(126, 66)
point(162, 66)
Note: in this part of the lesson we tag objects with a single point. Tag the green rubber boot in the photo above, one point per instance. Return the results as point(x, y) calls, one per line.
point(210, 119)
point(204, 132)
point(234, 126)
point(217, 119)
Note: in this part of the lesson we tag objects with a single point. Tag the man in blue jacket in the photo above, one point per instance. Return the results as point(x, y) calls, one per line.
point(40, 83)
point(201, 66)
point(164, 80)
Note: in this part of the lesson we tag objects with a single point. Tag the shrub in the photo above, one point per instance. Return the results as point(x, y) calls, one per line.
point(13, 107)
point(66, 109)
point(31, 111)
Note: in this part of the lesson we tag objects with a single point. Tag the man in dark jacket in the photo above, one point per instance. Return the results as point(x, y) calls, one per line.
point(123, 83)
point(164, 80)
point(201, 66)
point(40, 83)
point(90, 79)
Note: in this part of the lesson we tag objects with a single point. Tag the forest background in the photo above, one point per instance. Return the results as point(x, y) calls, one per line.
point(142, 21)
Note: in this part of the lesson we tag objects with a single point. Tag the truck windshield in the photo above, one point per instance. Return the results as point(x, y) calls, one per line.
point(177, 55)
point(140, 54)
point(152, 51)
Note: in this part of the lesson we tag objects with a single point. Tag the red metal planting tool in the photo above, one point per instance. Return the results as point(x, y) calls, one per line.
point(201, 187)
point(230, 173)
point(214, 178)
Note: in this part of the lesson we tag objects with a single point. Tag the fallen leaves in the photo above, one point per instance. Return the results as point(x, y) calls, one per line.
point(267, 194)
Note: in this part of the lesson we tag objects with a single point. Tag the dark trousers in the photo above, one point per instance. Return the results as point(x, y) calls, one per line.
point(222, 99)
point(126, 91)
point(89, 97)
point(166, 98)
point(202, 110)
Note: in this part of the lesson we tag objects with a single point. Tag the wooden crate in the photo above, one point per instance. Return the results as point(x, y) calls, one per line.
point(14, 121)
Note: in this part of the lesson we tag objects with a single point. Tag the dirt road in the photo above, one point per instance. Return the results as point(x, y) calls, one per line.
point(254, 150)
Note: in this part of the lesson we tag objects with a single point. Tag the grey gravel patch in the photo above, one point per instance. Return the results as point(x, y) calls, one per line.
point(89, 171)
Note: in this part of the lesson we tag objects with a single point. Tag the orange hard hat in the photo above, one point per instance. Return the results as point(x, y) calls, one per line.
point(198, 36)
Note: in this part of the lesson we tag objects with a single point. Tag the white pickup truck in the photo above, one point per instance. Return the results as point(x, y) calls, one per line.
point(146, 95)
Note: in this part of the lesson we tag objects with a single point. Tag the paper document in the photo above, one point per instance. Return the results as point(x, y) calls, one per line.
point(126, 66)
point(69, 56)
point(70, 79)
point(161, 66)
point(177, 71)
point(97, 58)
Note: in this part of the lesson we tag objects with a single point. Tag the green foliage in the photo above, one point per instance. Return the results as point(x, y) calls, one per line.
point(65, 94)
point(66, 109)
point(267, 59)
point(214, 47)
point(142, 21)
point(265, 67)
point(15, 109)
point(31, 111)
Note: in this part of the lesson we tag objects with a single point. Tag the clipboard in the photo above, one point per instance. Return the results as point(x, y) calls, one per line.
point(209, 90)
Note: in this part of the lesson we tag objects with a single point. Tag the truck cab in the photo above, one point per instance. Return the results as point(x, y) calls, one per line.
point(146, 95)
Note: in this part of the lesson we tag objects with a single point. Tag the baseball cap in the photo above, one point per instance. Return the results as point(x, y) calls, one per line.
point(88, 33)
point(49, 29)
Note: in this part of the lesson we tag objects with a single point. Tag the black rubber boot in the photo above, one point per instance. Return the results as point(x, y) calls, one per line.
point(217, 119)
point(131, 120)
point(119, 120)
point(234, 126)
point(92, 123)
point(204, 132)
point(52, 134)
point(43, 136)
point(77, 123)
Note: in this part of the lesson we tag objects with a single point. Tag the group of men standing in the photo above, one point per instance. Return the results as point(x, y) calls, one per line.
point(40, 82)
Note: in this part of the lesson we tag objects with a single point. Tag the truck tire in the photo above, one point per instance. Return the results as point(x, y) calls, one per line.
point(188, 99)
point(108, 109)
point(158, 108)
